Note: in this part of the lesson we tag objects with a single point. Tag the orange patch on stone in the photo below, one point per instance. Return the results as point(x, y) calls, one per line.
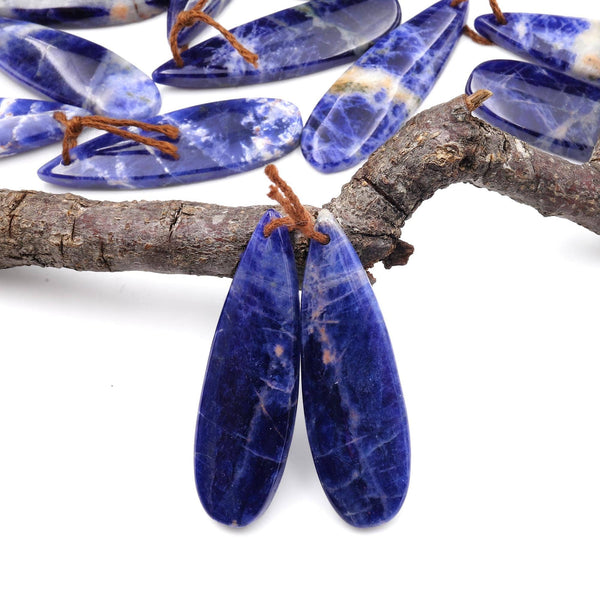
point(119, 12)
point(328, 357)
point(278, 350)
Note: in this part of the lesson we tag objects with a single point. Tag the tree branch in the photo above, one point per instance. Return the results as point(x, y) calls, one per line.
point(437, 147)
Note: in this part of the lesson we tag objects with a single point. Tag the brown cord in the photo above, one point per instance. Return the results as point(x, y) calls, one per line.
point(298, 217)
point(479, 39)
point(455, 3)
point(75, 125)
point(187, 18)
point(498, 13)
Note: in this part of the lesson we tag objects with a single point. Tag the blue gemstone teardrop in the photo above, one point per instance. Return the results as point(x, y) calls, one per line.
point(378, 93)
point(72, 70)
point(545, 108)
point(304, 39)
point(81, 13)
point(212, 8)
point(27, 124)
point(567, 44)
point(355, 415)
point(250, 392)
point(216, 140)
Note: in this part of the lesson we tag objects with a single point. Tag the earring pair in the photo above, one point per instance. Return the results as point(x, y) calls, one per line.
point(353, 404)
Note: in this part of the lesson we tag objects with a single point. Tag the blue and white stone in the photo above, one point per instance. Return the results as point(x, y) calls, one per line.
point(212, 8)
point(304, 39)
point(567, 44)
point(355, 414)
point(216, 140)
point(28, 124)
point(374, 97)
point(72, 70)
point(81, 13)
point(250, 393)
point(545, 108)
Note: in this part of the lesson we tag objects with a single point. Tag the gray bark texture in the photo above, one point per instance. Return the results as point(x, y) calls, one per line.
point(440, 146)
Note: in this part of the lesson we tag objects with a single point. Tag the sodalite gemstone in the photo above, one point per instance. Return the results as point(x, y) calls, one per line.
point(81, 13)
point(304, 39)
point(27, 124)
point(212, 8)
point(355, 415)
point(249, 399)
point(372, 99)
point(543, 107)
point(216, 140)
point(75, 71)
point(567, 44)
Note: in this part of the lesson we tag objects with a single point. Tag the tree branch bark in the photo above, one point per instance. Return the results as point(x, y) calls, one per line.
point(436, 148)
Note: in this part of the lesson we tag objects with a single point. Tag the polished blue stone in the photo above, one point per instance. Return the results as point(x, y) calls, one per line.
point(72, 70)
point(372, 99)
point(81, 13)
point(546, 108)
point(567, 44)
point(353, 402)
point(249, 399)
point(212, 8)
point(27, 124)
point(216, 140)
point(304, 39)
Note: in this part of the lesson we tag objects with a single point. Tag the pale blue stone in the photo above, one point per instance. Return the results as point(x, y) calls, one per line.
point(295, 41)
point(72, 70)
point(250, 392)
point(546, 108)
point(81, 13)
point(355, 414)
point(567, 44)
point(216, 140)
point(27, 124)
point(212, 8)
point(374, 97)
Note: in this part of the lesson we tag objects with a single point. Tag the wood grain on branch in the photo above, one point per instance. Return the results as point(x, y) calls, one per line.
point(438, 147)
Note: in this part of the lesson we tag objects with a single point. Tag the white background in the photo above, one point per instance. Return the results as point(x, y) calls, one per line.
point(495, 327)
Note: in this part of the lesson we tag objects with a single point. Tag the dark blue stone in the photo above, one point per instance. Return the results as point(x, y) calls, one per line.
point(27, 124)
point(216, 140)
point(374, 97)
point(249, 399)
point(567, 44)
point(545, 108)
point(304, 39)
point(212, 8)
point(81, 13)
point(353, 402)
point(72, 70)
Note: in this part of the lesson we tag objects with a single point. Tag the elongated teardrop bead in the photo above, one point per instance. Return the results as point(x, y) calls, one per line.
point(304, 39)
point(567, 44)
point(72, 70)
point(250, 392)
point(372, 99)
point(216, 140)
point(81, 13)
point(355, 415)
point(28, 124)
point(543, 107)
point(212, 8)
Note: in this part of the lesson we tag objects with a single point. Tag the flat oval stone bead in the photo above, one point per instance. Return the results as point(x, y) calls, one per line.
point(372, 99)
point(353, 403)
point(216, 140)
point(81, 13)
point(72, 70)
point(545, 108)
point(212, 8)
point(567, 44)
point(304, 39)
point(250, 392)
point(28, 124)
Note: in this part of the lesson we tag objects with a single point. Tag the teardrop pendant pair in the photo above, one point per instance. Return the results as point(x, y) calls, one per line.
point(355, 415)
